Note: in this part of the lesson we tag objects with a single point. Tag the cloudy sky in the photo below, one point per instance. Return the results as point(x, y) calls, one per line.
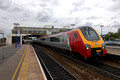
point(58, 13)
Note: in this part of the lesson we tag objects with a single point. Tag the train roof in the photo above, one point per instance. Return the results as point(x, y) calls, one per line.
point(52, 35)
point(83, 27)
point(65, 32)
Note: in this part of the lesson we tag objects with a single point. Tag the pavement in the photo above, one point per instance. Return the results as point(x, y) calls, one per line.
point(20, 64)
point(10, 61)
point(7, 51)
point(115, 47)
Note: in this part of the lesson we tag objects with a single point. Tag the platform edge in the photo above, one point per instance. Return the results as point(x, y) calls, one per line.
point(39, 64)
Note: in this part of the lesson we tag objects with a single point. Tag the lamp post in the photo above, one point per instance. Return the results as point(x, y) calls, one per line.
point(16, 34)
point(2, 32)
point(73, 25)
point(20, 35)
point(3, 45)
point(101, 29)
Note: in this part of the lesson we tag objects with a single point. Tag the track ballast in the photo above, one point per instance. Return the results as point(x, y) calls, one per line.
point(52, 69)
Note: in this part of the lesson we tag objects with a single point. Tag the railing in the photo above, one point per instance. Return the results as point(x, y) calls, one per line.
point(112, 42)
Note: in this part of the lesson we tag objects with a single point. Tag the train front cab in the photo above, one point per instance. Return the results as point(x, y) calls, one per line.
point(87, 42)
point(93, 42)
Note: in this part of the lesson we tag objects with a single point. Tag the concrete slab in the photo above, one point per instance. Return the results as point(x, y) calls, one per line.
point(31, 68)
point(10, 62)
point(115, 50)
point(7, 51)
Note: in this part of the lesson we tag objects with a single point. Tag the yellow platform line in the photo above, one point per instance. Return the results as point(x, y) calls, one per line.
point(18, 65)
point(23, 74)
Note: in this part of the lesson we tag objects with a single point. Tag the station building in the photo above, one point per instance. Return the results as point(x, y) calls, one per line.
point(20, 33)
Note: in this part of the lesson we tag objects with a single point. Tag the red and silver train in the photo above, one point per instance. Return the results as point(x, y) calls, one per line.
point(83, 41)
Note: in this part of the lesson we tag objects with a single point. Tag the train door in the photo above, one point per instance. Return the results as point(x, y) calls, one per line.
point(72, 41)
point(64, 42)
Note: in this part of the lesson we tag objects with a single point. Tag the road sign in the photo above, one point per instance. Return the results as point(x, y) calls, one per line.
point(21, 30)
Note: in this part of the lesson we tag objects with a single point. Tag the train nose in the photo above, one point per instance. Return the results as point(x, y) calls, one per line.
point(99, 54)
point(96, 52)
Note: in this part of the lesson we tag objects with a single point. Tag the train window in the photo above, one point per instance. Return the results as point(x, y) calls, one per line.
point(58, 39)
point(90, 34)
point(43, 39)
point(62, 40)
point(55, 39)
point(52, 39)
point(75, 35)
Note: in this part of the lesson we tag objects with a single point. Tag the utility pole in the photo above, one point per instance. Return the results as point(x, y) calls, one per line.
point(109, 35)
point(73, 25)
point(2, 32)
point(21, 30)
point(101, 29)
point(16, 34)
point(3, 45)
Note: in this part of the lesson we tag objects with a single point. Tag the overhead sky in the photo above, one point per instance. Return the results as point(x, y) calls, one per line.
point(59, 13)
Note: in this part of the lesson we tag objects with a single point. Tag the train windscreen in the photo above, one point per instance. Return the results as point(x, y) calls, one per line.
point(90, 34)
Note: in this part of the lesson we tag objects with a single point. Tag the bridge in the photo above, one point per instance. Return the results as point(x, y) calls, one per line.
point(20, 33)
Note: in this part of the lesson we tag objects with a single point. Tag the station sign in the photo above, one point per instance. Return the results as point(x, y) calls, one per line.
point(1, 31)
point(101, 25)
point(72, 24)
point(21, 30)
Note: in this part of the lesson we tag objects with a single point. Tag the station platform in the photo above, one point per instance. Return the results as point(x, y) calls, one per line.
point(115, 50)
point(21, 64)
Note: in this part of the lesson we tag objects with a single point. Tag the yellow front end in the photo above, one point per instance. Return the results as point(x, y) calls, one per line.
point(94, 44)
point(96, 47)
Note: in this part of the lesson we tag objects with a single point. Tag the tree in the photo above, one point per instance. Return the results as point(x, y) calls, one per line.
point(119, 30)
point(113, 36)
point(1, 40)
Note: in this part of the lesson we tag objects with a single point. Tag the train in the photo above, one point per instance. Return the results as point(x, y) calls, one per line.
point(84, 41)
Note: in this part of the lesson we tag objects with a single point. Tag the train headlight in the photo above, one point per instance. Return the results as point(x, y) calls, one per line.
point(87, 46)
point(103, 45)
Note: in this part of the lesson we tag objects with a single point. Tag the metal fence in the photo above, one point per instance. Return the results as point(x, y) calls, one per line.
point(112, 42)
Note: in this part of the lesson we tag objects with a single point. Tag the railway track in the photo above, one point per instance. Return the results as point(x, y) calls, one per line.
point(52, 69)
point(115, 58)
point(111, 71)
point(100, 68)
